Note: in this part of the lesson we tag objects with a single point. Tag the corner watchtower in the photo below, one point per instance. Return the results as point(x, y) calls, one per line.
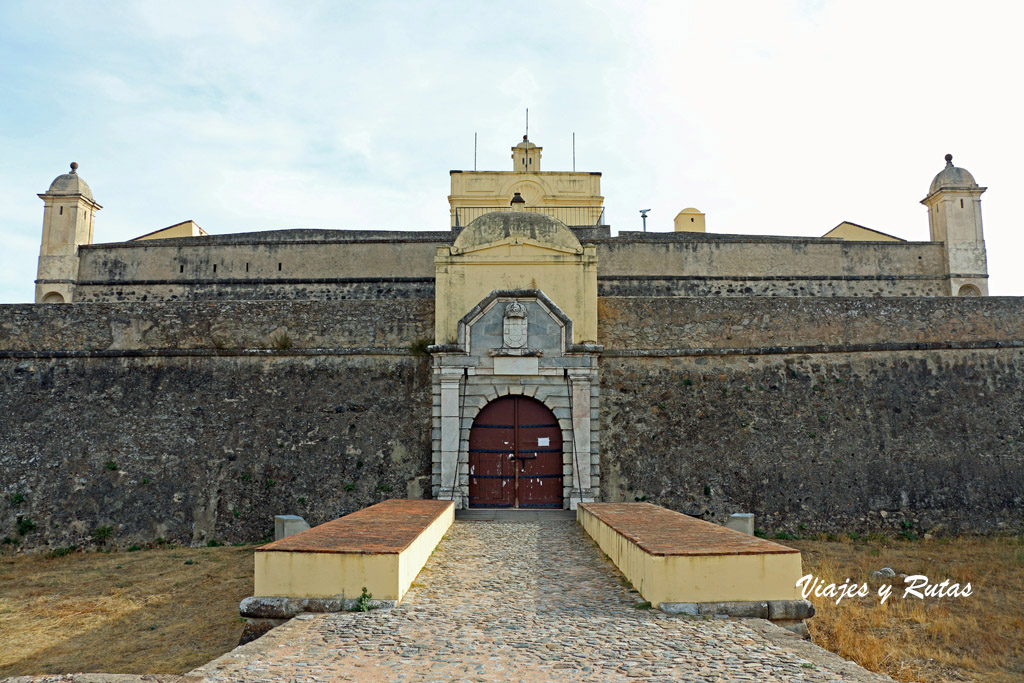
point(954, 218)
point(69, 214)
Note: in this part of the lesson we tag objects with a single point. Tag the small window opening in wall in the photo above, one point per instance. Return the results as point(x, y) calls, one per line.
point(691, 220)
point(215, 267)
point(247, 267)
point(961, 203)
point(279, 266)
point(62, 211)
point(181, 269)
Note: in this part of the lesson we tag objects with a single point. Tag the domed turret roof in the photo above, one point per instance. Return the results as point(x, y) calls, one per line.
point(496, 226)
point(525, 144)
point(70, 184)
point(952, 176)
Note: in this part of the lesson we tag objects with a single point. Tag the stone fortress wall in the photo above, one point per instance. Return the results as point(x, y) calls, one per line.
point(195, 421)
point(392, 264)
point(695, 264)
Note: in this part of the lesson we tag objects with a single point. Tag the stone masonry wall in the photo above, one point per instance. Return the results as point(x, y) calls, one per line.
point(316, 289)
point(197, 448)
point(818, 414)
point(224, 327)
point(193, 422)
point(780, 285)
point(758, 324)
point(697, 264)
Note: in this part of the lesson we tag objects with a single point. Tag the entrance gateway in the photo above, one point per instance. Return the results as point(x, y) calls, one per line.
point(515, 366)
point(515, 456)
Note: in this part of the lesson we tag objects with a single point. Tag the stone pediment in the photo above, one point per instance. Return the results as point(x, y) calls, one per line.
point(517, 246)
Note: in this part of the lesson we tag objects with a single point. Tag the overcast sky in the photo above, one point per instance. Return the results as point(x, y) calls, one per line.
point(772, 117)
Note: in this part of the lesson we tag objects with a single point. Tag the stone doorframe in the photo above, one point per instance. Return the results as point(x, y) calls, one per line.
point(563, 379)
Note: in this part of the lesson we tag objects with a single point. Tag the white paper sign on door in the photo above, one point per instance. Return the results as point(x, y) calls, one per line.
point(544, 441)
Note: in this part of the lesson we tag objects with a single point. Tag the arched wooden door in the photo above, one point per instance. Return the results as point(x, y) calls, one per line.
point(515, 455)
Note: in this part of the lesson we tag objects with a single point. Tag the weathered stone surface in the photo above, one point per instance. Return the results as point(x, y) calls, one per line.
point(222, 327)
point(650, 322)
point(821, 442)
point(690, 608)
point(254, 628)
point(753, 609)
point(185, 421)
point(196, 449)
point(278, 607)
point(779, 610)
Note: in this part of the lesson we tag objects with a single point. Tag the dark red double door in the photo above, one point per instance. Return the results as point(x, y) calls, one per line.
point(515, 456)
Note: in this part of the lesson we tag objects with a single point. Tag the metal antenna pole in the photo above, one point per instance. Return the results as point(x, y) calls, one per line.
point(474, 151)
point(527, 125)
point(574, 151)
point(643, 215)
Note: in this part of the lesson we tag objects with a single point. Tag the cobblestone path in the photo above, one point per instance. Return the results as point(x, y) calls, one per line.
point(524, 601)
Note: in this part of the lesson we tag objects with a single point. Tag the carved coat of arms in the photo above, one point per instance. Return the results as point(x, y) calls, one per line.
point(514, 326)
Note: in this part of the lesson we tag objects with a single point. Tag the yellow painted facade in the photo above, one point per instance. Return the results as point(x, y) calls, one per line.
point(573, 198)
point(689, 220)
point(183, 229)
point(516, 251)
point(852, 232)
point(328, 575)
point(697, 578)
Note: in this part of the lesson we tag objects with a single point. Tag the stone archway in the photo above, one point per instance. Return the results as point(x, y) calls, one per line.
point(515, 455)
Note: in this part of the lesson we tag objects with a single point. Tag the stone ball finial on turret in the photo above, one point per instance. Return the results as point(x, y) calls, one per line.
point(69, 184)
point(952, 177)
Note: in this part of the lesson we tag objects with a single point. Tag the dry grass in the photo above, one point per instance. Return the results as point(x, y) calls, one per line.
point(121, 612)
point(975, 638)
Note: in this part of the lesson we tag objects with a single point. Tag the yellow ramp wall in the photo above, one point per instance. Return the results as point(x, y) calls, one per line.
point(332, 574)
point(697, 578)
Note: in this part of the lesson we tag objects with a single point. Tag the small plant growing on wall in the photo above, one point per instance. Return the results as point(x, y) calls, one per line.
point(17, 499)
point(110, 465)
point(281, 341)
point(418, 347)
point(25, 525)
point(102, 533)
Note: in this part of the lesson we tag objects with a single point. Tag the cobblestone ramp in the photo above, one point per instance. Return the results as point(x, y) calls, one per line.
point(525, 601)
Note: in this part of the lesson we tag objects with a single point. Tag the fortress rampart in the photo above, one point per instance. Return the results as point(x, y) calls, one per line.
point(200, 420)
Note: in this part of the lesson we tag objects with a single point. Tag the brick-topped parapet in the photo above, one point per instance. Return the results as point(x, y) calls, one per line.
point(658, 531)
point(382, 548)
point(684, 565)
point(383, 529)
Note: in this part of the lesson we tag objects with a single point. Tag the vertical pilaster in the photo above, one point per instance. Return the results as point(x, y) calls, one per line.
point(451, 383)
point(580, 380)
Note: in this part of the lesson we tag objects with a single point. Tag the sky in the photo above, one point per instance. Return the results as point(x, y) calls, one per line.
point(777, 117)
